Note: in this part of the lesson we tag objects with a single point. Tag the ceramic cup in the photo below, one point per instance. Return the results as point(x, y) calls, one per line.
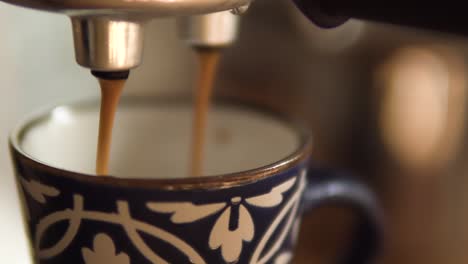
point(247, 208)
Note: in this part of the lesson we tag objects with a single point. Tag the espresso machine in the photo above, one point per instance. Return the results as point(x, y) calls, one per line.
point(108, 35)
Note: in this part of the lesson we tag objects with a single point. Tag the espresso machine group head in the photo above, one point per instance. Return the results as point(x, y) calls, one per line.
point(108, 34)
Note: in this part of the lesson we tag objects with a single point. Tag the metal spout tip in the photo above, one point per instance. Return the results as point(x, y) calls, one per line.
point(112, 75)
point(211, 30)
point(108, 44)
point(240, 10)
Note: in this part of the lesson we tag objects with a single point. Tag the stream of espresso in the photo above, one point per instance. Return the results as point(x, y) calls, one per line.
point(111, 89)
point(208, 59)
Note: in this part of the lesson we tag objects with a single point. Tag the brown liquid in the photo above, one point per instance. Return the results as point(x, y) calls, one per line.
point(208, 61)
point(110, 95)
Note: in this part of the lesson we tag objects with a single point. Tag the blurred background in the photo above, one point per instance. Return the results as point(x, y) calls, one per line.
point(386, 103)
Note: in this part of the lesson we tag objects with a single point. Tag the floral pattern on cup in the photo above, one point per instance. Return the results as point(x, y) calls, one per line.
point(104, 251)
point(227, 234)
point(233, 227)
point(284, 258)
point(39, 191)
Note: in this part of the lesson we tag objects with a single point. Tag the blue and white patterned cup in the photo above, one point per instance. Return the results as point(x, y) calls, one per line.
point(245, 210)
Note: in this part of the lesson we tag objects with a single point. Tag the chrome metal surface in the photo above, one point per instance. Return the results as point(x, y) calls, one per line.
point(212, 30)
point(108, 34)
point(108, 44)
point(240, 10)
point(150, 8)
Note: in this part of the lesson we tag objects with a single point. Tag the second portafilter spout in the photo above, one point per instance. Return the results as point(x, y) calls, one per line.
point(216, 30)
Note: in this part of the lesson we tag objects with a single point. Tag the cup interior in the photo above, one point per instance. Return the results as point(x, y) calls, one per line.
point(152, 139)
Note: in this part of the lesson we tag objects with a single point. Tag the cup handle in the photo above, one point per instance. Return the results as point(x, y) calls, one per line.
point(331, 187)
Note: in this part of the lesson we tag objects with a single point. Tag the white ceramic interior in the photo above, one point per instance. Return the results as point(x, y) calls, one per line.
point(153, 140)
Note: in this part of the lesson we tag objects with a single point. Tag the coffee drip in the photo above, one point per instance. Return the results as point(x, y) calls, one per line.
point(208, 35)
point(208, 59)
point(112, 84)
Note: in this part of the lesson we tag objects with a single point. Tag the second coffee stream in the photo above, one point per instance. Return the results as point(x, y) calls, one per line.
point(208, 59)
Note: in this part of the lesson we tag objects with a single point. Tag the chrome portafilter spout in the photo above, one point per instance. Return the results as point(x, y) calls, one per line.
point(108, 44)
point(216, 30)
point(108, 34)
